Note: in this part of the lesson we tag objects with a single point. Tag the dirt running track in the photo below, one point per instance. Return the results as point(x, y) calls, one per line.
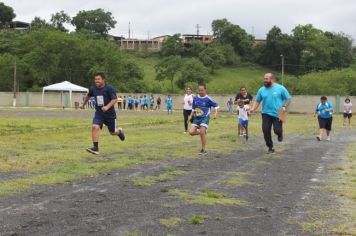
point(111, 205)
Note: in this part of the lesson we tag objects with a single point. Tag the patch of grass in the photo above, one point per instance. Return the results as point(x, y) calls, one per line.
point(310, 227)
point(198, 219)
point(206, 198)
point(169, 174)
point(171, 222)
point(238, 179)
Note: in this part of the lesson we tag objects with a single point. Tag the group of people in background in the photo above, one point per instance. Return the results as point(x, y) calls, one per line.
point(144, 103)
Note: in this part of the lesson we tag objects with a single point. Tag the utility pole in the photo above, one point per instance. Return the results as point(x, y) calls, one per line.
point(129, 30)
point(198, 28)
point(282, 57)
point(15, 84)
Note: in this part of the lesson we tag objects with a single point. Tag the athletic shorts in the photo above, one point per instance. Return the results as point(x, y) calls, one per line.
point(109, 122)
point(201, 121)
point(325, 123)
point(243, 123)
point(347, 115)
point(169, 107)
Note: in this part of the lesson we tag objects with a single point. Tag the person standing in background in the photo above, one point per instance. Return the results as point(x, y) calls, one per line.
point(187, 107)
point(347, 111)
point(230, 104)
point(124, 102)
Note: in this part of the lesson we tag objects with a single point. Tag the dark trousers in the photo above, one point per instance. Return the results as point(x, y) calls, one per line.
point(267, 122)
point(186, 114)
point(124, 105)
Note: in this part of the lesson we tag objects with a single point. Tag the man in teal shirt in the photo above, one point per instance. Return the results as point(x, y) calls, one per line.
point(274, 97)
point(325, 117)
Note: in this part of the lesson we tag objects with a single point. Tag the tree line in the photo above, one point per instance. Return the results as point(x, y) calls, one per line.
point(49, 53)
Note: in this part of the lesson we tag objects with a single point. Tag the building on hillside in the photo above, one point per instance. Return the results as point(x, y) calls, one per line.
point(259, 42)
point(17, 25)
point(141, 45)
point(205, 39)
point(161, 38)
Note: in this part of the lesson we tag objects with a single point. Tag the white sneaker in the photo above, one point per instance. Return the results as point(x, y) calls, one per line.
point(328, 138)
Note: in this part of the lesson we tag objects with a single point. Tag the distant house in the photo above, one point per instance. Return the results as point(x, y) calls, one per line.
point(205, 39)
point(17, 25)
point(259, 42)
point(141, 45)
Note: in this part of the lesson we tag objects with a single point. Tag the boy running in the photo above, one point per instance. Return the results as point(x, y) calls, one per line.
point(201, 109)
point(242, 111)
point(105, 100)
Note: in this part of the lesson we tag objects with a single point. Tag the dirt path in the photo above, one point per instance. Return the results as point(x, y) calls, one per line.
point(112, 205)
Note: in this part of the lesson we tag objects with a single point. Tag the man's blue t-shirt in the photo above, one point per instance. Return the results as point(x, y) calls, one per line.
point(272, 99)
point(321, 109)
point(202, 105)
point(103, 97)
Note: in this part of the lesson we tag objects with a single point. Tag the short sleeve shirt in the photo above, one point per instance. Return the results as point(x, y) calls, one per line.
point(103, 97)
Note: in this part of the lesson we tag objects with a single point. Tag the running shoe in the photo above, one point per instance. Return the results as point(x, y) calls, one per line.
point(93, 150)
point(121, 135)
point(270, 151)
point(318, 138)
point(280, 138)
point(328, 138)
point(203, 152)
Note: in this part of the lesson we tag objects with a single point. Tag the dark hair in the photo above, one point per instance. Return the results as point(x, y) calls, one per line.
point(347, 99)
point(189, 88)
point(101, 74)
point(243, 87)
point(323, 98)
point(203, 85)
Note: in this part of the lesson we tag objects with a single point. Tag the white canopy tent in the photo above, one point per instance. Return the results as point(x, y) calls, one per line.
point(64, 86)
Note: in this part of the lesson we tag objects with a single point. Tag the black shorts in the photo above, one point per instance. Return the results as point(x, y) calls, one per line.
point(347, 115)
point(325, 123)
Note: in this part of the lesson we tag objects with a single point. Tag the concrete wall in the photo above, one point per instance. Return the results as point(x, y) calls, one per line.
point(300, 103)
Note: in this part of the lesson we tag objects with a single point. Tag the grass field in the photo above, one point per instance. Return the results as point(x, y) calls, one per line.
point(51, 150)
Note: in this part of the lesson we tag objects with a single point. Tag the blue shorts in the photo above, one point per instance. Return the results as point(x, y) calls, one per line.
point(243, 123)
point(201, 121)
point(109, 122)
point(169, 107)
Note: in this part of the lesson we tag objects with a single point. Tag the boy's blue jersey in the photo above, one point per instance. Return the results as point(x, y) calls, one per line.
point(272, 99)
point(169, 101)
point(202, 105)
point(130, 100)
point(321, 109)
point(136, 101)
point(102, 97)
point(148, 101)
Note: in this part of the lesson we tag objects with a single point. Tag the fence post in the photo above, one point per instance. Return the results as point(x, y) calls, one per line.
point(66, 100)
point(337, 105)
point(27, 99)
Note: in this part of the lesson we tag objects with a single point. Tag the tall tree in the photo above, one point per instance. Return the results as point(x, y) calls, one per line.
point(173, 46)
point(227, 33)
point(6, 15)
point(95, 22)
point(59, 19)
point(212, 57)
point(168, 68)
point(193, 71)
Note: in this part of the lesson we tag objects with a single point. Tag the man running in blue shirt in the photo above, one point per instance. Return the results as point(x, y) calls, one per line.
point(275, 98)
point(201, 109)
point(105, 99)
point(325, 117)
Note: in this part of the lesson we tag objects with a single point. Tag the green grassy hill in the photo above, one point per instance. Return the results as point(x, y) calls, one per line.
point(226, 80)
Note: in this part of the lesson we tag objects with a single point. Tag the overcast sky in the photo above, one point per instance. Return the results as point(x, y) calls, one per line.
point(158, 17)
